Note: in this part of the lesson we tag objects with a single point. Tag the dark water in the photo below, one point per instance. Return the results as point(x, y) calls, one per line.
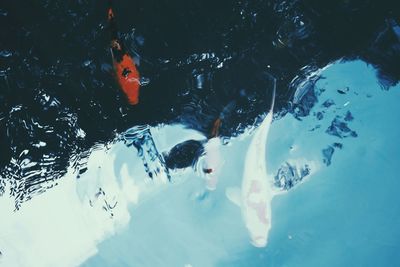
point(199, 61)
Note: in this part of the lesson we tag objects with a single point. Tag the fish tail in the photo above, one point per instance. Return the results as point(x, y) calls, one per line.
point(273, 96)
point(111, 20)
point(117, 49)
point(216, 127)
point(273, 92)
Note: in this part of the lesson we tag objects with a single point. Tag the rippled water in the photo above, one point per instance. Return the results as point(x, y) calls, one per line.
point(334, 202)
point(198, 63)
point(180, 179)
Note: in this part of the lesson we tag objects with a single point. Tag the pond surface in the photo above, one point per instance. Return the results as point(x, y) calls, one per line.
point(337, 207)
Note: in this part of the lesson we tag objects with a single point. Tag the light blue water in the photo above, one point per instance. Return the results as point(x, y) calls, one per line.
point(346, 214)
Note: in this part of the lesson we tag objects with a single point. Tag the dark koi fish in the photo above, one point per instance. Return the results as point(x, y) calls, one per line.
point(126, 72)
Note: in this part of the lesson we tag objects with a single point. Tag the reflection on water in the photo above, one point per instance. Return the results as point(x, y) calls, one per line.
point(140, 137)
point(340, 210)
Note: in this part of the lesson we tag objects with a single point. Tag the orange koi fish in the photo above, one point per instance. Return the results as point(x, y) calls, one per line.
point(127, 75)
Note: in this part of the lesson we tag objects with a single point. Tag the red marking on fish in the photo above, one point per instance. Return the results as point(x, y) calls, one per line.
point(208, 171)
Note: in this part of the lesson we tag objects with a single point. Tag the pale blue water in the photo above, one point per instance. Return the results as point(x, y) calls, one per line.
point(344, 214)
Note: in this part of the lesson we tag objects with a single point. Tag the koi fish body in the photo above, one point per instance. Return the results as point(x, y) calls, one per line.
point(254, 197)
point(213, 162)
point(128, 78)
point(126, 73)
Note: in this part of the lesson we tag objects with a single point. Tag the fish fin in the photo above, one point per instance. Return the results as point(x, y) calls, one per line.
point(234, 195)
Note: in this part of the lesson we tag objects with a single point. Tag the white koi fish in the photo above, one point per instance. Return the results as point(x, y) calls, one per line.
point(256, 193)
point(212, 163)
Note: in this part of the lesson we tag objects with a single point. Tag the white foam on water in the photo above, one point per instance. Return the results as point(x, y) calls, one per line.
point(63, 226)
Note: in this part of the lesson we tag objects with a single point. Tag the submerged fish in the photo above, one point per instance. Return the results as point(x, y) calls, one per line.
point(127, 75)
point(255, 195)
point(213, 162)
